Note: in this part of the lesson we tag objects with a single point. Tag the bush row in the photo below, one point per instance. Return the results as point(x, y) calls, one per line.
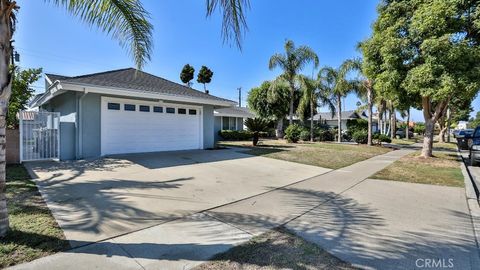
point(239, 135)
point(295, 132)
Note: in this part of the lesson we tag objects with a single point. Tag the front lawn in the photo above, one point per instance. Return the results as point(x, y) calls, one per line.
point(277, 249)
point(404, 141)
point(326, 155)
point(33, 231)
point(443, 169)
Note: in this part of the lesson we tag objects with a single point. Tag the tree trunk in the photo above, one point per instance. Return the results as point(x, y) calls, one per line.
point(5, 91)
point(292, 97)
point(441, 135)
point(430, 117)
point(339, 118)
point(370, 111)
point(427, 150)
point(449, 122)
point(393, 124)
point(311, 120)
point(407, 136)
point(279, 131)
point(390, 123)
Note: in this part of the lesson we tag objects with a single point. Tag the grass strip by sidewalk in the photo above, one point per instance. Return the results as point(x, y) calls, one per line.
point(443, 169)
point(276, 249)
point(34, 233)
point(326, 155)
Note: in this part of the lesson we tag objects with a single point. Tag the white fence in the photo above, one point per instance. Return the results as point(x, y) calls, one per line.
point(39, 135)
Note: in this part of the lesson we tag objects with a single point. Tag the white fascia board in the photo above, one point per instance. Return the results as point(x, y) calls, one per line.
point(55, 89)
point(129, 93)
point(233, 115)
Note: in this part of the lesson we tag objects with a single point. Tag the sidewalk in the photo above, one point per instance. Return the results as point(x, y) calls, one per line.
point(372, 223)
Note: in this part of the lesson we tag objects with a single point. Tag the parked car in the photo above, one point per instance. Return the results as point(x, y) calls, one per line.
point(475, 147)
point(400, 134)
point(455, 133)
point(463, 137)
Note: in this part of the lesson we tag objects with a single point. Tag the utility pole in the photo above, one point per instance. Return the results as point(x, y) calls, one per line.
point(239, 96)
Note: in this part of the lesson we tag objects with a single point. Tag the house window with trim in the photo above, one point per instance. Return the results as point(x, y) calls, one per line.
point(229, 123)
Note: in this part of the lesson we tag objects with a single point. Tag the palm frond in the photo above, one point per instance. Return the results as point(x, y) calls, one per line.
point(234, 24)
point(125, 20)
point(306, 55)
point(277, 60)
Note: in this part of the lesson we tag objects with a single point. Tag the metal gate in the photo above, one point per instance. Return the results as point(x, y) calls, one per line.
point(39, 135)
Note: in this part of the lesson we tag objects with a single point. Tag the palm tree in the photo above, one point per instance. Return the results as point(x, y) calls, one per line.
point(364, 89)
point(256, 125)
point(124, 20)
point(314, 95)
point(336, 81)
point(292, 62)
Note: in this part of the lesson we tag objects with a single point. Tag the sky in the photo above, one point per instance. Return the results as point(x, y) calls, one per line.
point(50, 38)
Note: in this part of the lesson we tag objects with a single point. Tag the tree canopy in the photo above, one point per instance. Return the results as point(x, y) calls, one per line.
point(187, 74)
point(204, 76)
point(426, 50)
point(21, 92)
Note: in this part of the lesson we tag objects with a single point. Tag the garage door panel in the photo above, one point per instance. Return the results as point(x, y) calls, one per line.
point(137, 131)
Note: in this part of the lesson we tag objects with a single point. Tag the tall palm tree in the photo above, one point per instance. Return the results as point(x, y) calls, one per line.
point(292, 62)
point(336, 81)
point(364, 89)
point(124, 20)
point(313, 96)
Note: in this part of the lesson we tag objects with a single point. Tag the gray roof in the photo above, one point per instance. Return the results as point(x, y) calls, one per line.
point(135, 80)
point(234, 111)
point(345, 115)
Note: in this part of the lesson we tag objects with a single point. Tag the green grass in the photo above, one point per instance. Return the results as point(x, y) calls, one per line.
point(437, 146)
point(404, 141)
point(443, 169)
point(277, 249)
point(326, 155)
point(33, 231)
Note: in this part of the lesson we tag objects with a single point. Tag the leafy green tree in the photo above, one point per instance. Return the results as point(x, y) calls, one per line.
point(256, 125)
point(474, 122)
point(187, 74)
point(204, 76)
point(292, 63)
point(336, 81)
point(428, 48)
point(21, 93)
point(313, 96)
point(270, 103)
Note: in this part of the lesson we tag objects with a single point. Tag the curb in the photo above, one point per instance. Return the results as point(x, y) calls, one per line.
point(473, 203)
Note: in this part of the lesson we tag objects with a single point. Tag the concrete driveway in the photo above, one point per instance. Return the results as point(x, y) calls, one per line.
point(104, 198)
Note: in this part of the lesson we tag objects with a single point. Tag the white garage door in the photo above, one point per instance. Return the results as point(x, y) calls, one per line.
point(132, 126)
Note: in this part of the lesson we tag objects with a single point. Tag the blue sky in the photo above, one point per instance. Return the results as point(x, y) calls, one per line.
point(48, 37)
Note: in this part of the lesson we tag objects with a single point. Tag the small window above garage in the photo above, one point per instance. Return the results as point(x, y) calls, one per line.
point(144, 108)
point(192, 112)
point(129, 107)
point(182, 111)
point(157, 109)
point(113, 106)
point(170, 110)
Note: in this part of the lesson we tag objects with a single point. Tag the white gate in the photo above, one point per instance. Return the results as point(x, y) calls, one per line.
point(39, 135)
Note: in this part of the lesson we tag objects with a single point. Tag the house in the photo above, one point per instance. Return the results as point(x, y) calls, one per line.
point(231, 118)
point(332, 120)
point(128, 111)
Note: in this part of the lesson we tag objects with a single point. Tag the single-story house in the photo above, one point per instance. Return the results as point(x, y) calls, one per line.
point(332, 121)
point(128, 111)
point(231, 118)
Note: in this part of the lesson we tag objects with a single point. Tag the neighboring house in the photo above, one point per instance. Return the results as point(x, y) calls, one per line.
point(462, 125)
point(231, 118)
point(128, 111)
point(332, 121)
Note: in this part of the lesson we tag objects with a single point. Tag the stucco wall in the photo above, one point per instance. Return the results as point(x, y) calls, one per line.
point(90, 125)
point(208, 127)
point(65, 104)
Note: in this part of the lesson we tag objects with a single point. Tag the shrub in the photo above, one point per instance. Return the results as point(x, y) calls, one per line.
point(324, 135)
point(256, 126)
point(379, 138)
point(235, 135)
point(360, 137)
point(354, 125)
point(419, 128)
point(292, 133)
point(305, 135)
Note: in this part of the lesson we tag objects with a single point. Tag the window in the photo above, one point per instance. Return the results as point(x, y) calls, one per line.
point(113, 106)
point(192, 112)
point(182, 111)
point(170, 110)
point(144, 108)
point(129, 107)
point(229, 123)
point(157, 109)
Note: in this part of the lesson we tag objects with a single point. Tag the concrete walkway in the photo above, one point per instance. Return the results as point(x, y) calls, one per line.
point(371, 223)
